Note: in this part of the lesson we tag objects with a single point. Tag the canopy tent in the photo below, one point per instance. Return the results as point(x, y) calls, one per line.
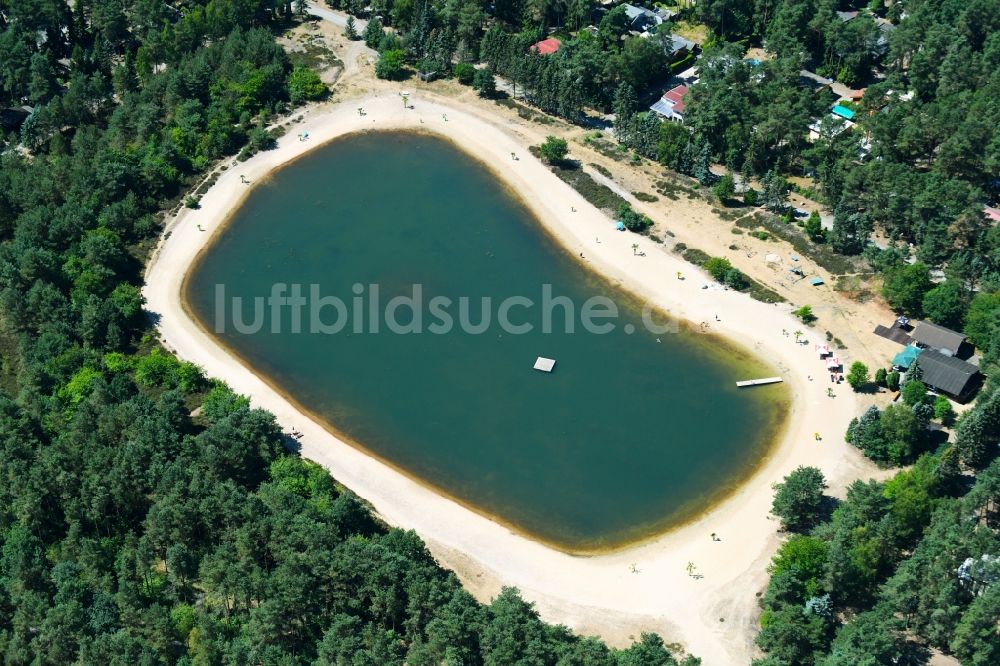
point(823, 350)
point(832, 363)
point(620, 226)
point(906, 357)
point(772, 259)
point(816, 281)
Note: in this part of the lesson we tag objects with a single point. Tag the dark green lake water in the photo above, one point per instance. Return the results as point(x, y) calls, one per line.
point(625, 438)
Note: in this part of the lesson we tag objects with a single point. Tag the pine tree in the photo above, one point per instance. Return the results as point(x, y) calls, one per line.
point(624, 106)
point(702, 164)
point(350, 29)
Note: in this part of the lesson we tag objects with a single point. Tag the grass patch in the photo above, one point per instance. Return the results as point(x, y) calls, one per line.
point(737, 231)
point(647, 198)
point(855, 287)
point(608, 149)
point(604, 171)
point(760, 235)
point(600, 196)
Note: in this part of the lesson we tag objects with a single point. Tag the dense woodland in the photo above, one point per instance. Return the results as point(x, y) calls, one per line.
point(131, 532)
point(134, 532)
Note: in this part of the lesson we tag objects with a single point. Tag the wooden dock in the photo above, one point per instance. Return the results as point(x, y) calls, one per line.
point(758, 382)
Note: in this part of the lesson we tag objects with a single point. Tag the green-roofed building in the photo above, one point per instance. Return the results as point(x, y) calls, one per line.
point(905, 358)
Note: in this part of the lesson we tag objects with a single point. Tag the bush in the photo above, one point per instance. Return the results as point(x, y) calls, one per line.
point(892, 380)
point(718, 268)
point(484, 82)
point(465, 73)
point(390, 64)
point(881, 376)
point(943, 411)
point(554, 149)
point(736, 279)
point(914, 392)
point(857, 376)
point(191, 201)
point(805, 314)
point(750, 197)
point(304, 85)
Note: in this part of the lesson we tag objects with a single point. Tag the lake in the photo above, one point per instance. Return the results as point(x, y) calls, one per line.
point(635, 430)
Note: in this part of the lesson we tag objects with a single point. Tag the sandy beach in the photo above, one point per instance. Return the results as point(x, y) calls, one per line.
point(713, 616)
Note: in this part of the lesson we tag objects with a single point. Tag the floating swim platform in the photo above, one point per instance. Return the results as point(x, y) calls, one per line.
point(544, 364)
point(758, 382)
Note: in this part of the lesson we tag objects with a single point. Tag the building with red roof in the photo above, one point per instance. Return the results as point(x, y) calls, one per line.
point(546, 46)
point(671, 105)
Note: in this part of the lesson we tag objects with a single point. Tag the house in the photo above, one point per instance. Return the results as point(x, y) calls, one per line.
point(680, 47)
point(939, 338)
point(992, 214)
point(640, 19)
point(546, 46)
point(671, 105)
point(846, 16)
point(843, 112)
point(949, 375)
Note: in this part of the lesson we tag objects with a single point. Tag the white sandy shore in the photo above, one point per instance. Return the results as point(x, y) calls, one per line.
point(596, 594)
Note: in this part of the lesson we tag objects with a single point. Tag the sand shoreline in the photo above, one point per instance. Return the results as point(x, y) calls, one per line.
point(577, 590)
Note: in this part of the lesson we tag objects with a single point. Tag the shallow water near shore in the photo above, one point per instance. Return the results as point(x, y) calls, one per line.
point(631, 434)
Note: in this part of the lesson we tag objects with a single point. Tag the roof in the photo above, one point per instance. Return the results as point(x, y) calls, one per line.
point(665, 109)
point(846, 16)
point(938, 337)
point(546, 46)
point(843, 112)
point(675, 98)
point(905, 358)
point(633, 12)
point(992, 213)
point(893, 333)
point(680, 43)
point(816, 281)
point(947, 373)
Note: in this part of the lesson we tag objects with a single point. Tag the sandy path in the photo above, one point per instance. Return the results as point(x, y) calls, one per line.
point(597, 594)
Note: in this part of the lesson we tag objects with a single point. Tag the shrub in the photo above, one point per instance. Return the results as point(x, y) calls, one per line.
point(805, 314)
point(857, 376)
point(304, 85)
point(484, 82)
point(465, 73)
point(750, 197)
point(718, 268)
point(914, 392)
point(881, 376)
point(943, 411)
point(632, 220)
point(390, 64)
point(554, 149)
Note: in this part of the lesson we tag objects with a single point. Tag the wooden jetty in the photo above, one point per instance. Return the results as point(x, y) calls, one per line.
point(758, 382)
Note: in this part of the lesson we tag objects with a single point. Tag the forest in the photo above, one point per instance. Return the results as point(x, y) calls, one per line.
point(149, 515)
